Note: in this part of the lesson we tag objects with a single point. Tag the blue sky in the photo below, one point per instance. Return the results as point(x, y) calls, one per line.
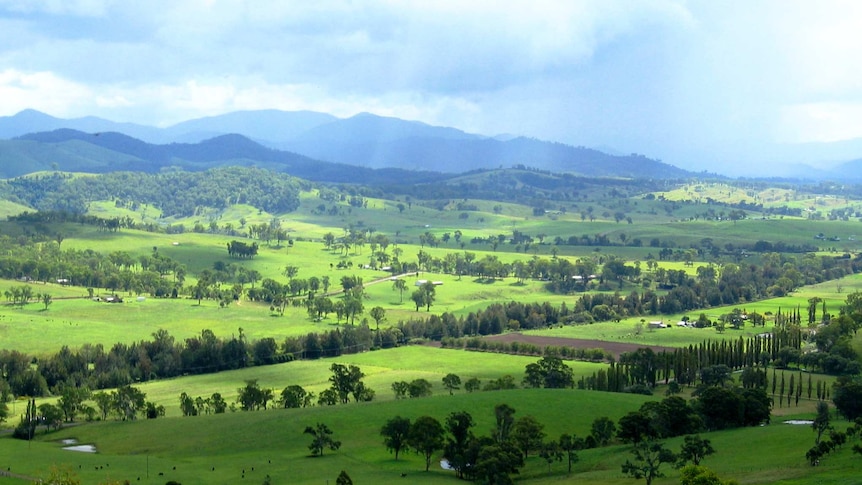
point(701, 84)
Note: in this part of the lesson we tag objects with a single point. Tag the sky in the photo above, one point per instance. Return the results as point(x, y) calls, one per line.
point(718, 85)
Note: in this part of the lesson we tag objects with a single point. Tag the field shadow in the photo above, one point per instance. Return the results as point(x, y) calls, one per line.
point(485, 281)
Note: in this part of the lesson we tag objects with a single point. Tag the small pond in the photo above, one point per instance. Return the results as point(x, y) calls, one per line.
point(72, 445)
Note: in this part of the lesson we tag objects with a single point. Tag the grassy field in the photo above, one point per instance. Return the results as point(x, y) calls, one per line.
point(218, 448)
point(382, 368)
point(648, 220)
point(78, 321)
point(769, 196)
point(8, 208)
point(187, 449)
point(75, 320)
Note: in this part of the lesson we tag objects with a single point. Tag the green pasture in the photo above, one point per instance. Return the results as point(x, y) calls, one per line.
point(272, 441)
point(382, 368)
point(768, 196)
point(218, 448)
point(75, 322)
point(200, 250)
point(491, 218)
point(57, 291)
point(383, 216)
point(74, 319)
point(8, 208)
point(834, 293)
point(108, 209)
point(748, 231)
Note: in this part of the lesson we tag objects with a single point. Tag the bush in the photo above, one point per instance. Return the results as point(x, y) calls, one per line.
point(638, 389)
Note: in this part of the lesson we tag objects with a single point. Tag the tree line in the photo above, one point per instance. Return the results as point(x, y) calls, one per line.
point(95, 367)
point(125, 403)
point(175, 193)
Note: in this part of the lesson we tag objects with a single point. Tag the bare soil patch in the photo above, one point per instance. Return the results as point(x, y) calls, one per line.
point(614, 348)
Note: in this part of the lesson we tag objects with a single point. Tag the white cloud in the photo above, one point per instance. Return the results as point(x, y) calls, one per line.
point(86, 8)
point(820, 122)
point(113, 101)
point(662, 77)
point(43, 91)
point(165, 104)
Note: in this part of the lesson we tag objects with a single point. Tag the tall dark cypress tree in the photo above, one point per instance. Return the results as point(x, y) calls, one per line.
point(775, 383)
point(791, 390)
point(31, 420)
point(798, 388)
point(781, 391)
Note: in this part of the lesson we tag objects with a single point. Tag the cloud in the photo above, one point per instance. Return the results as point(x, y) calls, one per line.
point(43, 91)
point(367, 52)
point(677, 80)
point(83, 8)
point(439, 46)
point(820, 122)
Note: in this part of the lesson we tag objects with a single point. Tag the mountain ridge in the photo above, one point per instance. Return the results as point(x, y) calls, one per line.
point(364, 140)
point(373, 141)
point(110, 152)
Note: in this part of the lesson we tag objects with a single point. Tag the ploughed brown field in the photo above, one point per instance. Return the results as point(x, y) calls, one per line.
point(615, 348)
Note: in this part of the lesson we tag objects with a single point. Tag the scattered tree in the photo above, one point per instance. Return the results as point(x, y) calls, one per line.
point(847, 396)
point(821, 420)
point(400, 286)
point(700, 475)
point(395, 434)
point(295, 396)
point(602, 430)
point(457, 448)
point(321, 439)
point(343, 479)
point(648, 458)
point(570, 445)
point(451, 382)
point(505, 419)
point(549, 372)
point(419, 388)
point(473, 384)
point(694, 449)
point(496, 462)
point(426, 437)
point(379, 315)
point(528, 433)
point(47, 299)
point(551, 452)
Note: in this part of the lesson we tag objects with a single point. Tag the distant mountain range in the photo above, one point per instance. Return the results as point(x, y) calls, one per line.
point(75, 151)
point(263, 126)
point(364, 140)
point(286, 140)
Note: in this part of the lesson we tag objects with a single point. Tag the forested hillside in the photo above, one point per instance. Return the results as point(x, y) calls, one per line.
point(174, 193)
point(75, 151)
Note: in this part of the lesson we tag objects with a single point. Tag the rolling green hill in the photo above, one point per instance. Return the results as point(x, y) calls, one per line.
point(510, 217)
